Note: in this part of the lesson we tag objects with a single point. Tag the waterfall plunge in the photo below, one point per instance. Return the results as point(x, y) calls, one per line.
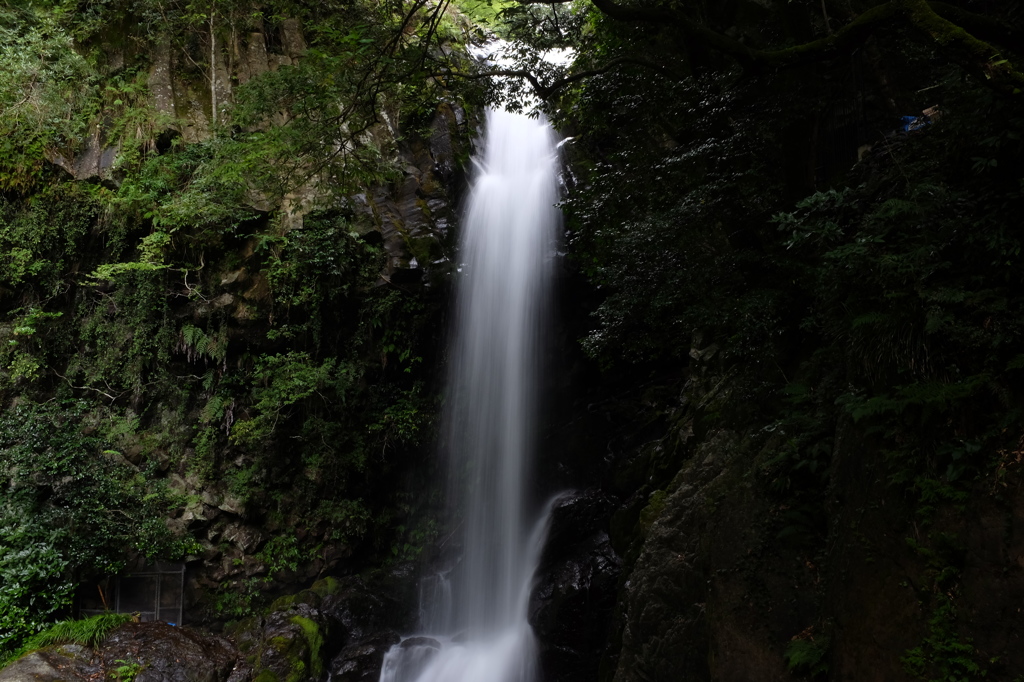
point(507, 239)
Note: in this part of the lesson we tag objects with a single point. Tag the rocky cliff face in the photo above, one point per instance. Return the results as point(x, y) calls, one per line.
point(409, 218)
point(346, 289)
point(724, 578)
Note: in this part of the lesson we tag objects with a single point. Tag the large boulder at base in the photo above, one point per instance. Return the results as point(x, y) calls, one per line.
point(288, 644)
point(168, 654)
point(340, 625)
point(361, 661)
point(576, 587)
point(70, 662)
point(157, 651)
point(361, 610)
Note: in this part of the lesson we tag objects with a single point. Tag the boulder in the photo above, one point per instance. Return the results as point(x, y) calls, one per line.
point(40, 666)
point(575, 588)
point(362, 611)
point(289, 642)
point(168, 654)
point(154, 652)
point(361, 661)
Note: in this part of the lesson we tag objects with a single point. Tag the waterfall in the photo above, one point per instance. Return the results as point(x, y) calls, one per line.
point(475, 619)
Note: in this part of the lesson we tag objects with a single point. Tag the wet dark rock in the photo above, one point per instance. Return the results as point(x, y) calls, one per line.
point(442, 148)
point(576, 587)
point(36, 667)
point(289, 642)
point(712, 594)
point(361, 661)
point(341, 626)
point(163, 653)
point(413, 214)
point(246, 538)
point(420, 641)
point(169, 654)
point(361, 610)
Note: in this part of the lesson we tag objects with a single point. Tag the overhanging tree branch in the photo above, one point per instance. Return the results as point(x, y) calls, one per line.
point(962, 47)
point(980, 26)
point(944, 24)
point(546, 91)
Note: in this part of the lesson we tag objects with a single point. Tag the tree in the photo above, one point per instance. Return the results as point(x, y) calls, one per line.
point(792, 35)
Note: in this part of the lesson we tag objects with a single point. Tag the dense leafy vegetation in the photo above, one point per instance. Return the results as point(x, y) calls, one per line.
point(765, 219)
point(185, 294)
point(204, 304)
point(71, 506)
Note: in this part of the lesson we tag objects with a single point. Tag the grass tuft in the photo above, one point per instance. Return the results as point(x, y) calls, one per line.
point(87, 632)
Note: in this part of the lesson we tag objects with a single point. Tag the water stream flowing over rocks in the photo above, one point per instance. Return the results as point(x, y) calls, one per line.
point(475, 619)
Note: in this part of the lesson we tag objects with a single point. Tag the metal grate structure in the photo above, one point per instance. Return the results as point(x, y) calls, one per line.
point(156, 592)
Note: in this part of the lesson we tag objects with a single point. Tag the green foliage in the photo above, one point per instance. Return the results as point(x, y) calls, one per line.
point(86, 632)
point(913, 288)
point(486, 12)
point(280, 381)
point(281, 553)
point(234, 600)
point(20, 360)
point(197, 345)
point(71, 507)
point(126, 670)
point(127, 335)
point(944, 656)
point(316, 273)
point(186, 197)
point(668, 269)
point(48, 94)
point(806, 429)
point(113, 289)
point(348, 519)
point(403, 418)
point(806, 655)
point(42, 237)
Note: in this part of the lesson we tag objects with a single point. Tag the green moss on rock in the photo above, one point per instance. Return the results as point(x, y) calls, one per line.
point(314, 640)
point(326, 586)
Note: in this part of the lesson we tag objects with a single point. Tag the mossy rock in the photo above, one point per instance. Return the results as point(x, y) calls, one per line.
point(291, 639)
point(652, 511)
point(326, 586)
point(314, 637)
point(282, 603)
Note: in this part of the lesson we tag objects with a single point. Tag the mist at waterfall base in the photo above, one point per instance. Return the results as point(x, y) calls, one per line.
point(474, 619)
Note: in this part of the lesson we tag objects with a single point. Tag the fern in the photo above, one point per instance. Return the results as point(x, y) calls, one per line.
point(213, 410)
point(899, 208)
point(196, 344)
point(806, 656)
point(927, 396)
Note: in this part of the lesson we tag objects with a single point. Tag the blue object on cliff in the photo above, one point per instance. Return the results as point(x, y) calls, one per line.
point(912, 123)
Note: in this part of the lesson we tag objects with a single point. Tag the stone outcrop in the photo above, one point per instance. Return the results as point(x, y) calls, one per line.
point(148, 652)
point(339, 626)
point(414, 214)
point(576, 585)
point(725, 578)
point(93, 162)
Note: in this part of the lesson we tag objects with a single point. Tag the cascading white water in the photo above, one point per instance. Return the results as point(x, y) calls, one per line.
point(481, 634)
